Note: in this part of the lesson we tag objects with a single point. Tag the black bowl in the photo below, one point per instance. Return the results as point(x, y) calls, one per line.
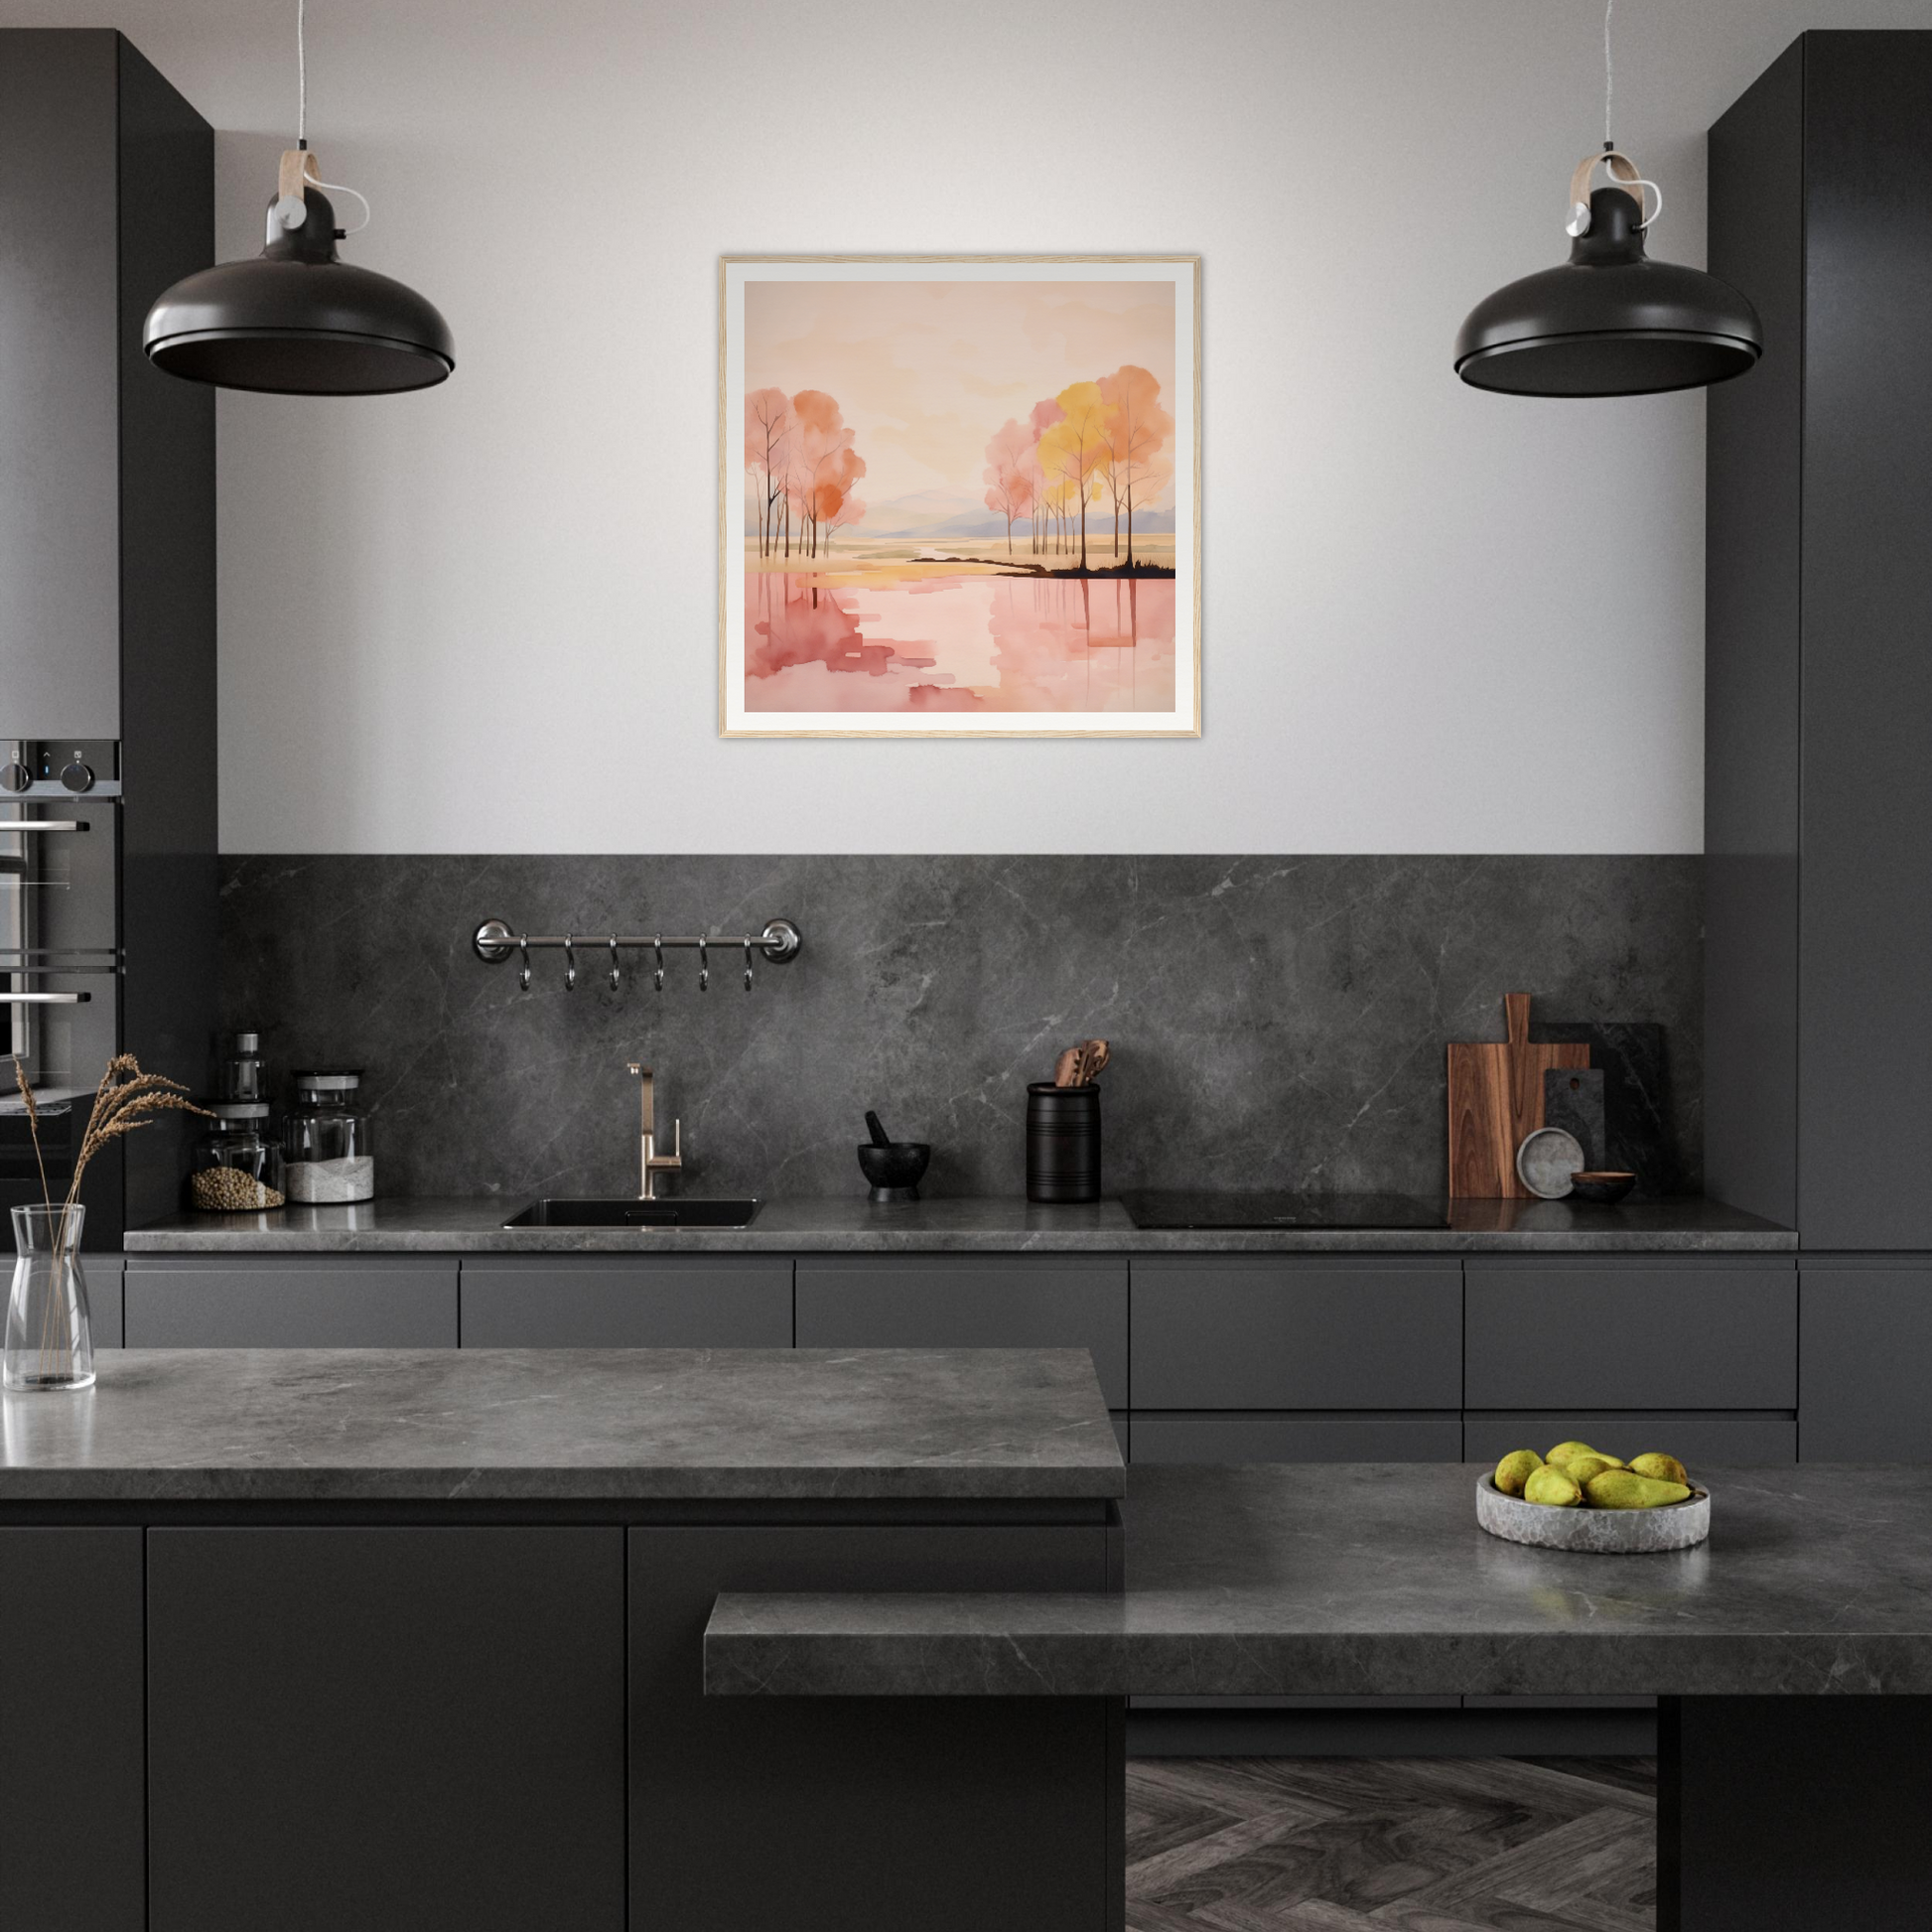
point(1602, 1187)
point(895, 1169)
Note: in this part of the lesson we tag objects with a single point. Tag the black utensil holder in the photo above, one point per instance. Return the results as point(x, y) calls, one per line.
point(1063, 1143)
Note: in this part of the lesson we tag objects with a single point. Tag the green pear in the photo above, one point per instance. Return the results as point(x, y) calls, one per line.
point(1623, 1489)
point(1665, 1468)
point(1565, 1451)
point(1515, 1470)
point(1550, 1486)
point(1579, 1468)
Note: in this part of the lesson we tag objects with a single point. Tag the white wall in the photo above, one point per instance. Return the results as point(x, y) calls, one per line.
point(483, 618)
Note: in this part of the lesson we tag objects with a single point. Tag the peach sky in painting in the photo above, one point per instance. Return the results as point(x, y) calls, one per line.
point(926, 371)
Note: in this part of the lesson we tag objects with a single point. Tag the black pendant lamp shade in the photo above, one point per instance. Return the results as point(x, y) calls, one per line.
point(297, 320)
point(1609, 321)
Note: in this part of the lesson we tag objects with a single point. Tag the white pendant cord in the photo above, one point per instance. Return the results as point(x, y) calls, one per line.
point(292, 216)
point(1609, 72)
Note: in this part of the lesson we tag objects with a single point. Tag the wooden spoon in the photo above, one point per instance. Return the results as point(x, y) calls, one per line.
point(1066, 1067)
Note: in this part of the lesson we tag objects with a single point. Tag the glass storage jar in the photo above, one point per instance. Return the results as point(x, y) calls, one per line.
point(237, 1162)
point(326, 1139)
point(238, 1075)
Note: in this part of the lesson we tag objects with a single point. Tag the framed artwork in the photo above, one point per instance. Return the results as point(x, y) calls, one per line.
point(959, 497)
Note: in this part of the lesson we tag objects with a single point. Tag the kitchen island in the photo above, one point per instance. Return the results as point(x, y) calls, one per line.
point(413, 1638)
point(1793, 1651)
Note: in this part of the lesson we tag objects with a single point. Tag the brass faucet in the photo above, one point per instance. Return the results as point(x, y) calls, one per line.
point(652, 1164)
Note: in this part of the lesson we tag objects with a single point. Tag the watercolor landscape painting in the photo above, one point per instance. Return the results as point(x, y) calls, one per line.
point(959, 497)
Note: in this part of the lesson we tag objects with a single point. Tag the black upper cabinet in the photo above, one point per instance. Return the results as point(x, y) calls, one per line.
point(107, 466)
point(1818, 810)
point(107, 551)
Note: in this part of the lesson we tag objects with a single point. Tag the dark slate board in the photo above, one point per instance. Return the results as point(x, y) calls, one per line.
point(1573, 1099)
point(1636, 1098)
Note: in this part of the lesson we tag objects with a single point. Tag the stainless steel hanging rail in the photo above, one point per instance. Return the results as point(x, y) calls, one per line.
point(494, 942)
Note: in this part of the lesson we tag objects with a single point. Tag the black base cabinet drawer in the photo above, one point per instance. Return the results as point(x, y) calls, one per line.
point(1265, 1333)
point(426, 1724)
point(933, 1301)
point(1549, 1334)
point(617, 1302)
point(1696, 1439)
point(291, 1302)
point(72, 1778)
point(1866, 1361)
point(1225, 1438)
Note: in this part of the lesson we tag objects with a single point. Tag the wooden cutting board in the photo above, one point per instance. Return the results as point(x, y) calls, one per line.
point(1495, 1099)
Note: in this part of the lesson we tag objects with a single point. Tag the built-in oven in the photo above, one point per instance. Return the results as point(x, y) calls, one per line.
point(59, 966)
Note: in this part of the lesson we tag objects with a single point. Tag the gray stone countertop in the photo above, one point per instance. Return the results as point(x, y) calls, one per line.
point(1373, 1579)
point(349, 1424)
point(961, 1225)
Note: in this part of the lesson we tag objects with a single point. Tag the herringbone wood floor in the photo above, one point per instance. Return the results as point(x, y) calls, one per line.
point(1391, 1845)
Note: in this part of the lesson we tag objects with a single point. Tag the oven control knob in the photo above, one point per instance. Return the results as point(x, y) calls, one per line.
point(15, 776)
point(78, 776)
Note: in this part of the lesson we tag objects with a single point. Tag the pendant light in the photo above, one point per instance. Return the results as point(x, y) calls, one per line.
point(1609, 321)
point(297, 320)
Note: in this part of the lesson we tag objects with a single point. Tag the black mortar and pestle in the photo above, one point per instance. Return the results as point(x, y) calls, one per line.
point(892, 1167)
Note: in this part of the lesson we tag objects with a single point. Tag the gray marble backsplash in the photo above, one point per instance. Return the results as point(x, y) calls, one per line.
point(1275, 1021)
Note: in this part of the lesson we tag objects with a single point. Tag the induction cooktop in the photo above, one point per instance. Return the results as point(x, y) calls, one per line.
point(1158, 1210)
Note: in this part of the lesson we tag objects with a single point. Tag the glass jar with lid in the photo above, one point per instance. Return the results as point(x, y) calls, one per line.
point(238, 1074)
point(237, 1167)
point(325, 1138)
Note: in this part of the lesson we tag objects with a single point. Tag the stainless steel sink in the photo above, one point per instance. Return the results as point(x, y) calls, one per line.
point(636, 1214)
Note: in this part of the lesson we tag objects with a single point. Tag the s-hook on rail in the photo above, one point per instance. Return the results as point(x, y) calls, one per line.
point(495, 942)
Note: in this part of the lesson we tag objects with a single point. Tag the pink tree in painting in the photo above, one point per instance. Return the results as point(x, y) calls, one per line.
point(851, 509)
point(1008, 485)
point(822, 469)
point(768, 437)
point(1137, 430)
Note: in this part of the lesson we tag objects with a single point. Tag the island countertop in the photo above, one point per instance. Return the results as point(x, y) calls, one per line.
point(322, 1426)
point(1374, 1579)
point(964, 1224)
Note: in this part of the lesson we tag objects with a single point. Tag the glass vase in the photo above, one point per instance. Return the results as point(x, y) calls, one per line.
point(49, 1338)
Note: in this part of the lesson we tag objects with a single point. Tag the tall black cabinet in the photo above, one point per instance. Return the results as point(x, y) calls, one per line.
point(107, 598)
point(1818, 812)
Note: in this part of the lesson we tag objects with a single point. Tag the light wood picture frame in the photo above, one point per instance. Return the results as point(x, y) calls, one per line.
point(959, 497)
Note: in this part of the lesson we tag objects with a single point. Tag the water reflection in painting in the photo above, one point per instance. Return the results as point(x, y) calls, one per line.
point(926, 638)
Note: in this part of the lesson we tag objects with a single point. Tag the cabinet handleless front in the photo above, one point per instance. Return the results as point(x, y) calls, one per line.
point(1265, 1333)
point(425, 1724)
point(290, 1301)
point(626, 1301)
point(940, 1302)
point(71, 1768)
point(1558, 1334)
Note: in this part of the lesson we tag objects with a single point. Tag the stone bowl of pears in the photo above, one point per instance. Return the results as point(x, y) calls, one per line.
point(1578, 1498)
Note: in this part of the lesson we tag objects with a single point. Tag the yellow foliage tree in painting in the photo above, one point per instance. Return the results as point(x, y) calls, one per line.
point(1076, 447)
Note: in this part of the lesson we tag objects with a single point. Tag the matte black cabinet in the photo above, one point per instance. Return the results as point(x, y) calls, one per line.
point(1867, 1360)
point(947, 1302)
point(1260, 1333)
point(1630, 1335)
point(72, 1798)
point(291, 1302)
point(427, 1723)
point(614, 1302)
point(737, 1800)
point(1698, 1435)
point(107, 591)
point(1818, 792)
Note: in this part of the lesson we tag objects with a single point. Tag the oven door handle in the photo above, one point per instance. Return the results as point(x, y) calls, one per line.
point(44, 999)
point(43, 825)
